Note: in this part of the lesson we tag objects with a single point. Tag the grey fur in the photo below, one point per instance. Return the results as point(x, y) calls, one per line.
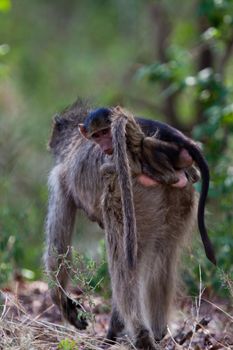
point(126, 192)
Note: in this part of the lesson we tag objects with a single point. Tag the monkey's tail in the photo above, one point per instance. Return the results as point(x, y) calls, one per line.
point(204, 169)
point(119, 121)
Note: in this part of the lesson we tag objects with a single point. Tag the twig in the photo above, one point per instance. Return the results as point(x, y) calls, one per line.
point(219, 308)
point(203, 323)
point(198, 306)
point(173, 338)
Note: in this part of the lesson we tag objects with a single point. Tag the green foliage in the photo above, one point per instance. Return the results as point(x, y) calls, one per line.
point(101, 281)
point(210, 94)
point(5, 5)
point(4, 49)
point(216, 130)
point(20, 221)
point(174, 71)
point(94, 276)
point(219, 14)
point(67, 344)
point(16, 229)
point(88, 275)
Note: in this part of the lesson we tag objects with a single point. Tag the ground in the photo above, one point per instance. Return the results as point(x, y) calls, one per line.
point(29, 321)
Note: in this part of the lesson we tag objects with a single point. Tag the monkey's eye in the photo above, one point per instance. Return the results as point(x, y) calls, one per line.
point(96, 135)
point(105, 131)
point(100, 133)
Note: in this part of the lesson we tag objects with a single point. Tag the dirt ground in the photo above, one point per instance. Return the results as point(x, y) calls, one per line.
point(29, 320)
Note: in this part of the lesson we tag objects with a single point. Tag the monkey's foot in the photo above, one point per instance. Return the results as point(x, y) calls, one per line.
point(182, 179)
point(146, 180)
point(158, 339)
point(159, 333)
point(73, 313)
point(144, 341)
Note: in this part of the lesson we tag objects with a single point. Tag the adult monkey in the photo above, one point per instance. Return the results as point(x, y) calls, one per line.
point(76, 182)
point(124, 129)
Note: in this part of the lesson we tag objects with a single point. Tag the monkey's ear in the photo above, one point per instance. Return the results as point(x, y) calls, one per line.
point(83, 130)
point(60, 122)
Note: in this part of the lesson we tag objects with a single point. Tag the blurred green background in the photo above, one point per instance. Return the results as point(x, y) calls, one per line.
point(167, 60)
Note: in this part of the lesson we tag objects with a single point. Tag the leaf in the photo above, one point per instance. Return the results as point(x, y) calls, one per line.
point(5, 5)
point(4, 48)
point(211, 33)
point(67, 344)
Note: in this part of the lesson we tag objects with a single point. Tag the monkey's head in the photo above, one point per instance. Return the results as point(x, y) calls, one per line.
point(97, 127)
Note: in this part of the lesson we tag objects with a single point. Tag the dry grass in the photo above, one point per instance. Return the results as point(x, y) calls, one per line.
point(32, 334)
point(21, 331)
point(204, 325)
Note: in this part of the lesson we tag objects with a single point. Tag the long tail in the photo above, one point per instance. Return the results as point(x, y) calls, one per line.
point(197, 156)
point(119, 121)
point(209, 250)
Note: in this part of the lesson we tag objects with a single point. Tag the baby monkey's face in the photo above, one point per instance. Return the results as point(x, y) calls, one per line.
point(104, 139)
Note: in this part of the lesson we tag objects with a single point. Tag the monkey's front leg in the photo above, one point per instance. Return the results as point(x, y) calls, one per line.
point(59, 227)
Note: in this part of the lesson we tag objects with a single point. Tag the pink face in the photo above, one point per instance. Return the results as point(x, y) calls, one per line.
point(104, 140)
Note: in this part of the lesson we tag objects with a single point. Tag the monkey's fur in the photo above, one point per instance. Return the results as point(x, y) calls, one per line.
point(125, 213)
point(164, 215)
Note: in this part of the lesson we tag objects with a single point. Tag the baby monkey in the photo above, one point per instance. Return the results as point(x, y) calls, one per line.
point(160, 161)
point(165, 158)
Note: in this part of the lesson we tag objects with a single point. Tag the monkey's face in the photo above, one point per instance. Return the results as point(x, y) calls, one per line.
point(104, 139)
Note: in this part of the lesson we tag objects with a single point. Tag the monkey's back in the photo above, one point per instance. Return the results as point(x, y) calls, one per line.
point(163, 211)
point(165, 218)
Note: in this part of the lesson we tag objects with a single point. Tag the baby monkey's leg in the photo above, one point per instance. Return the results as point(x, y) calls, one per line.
point(165, 163)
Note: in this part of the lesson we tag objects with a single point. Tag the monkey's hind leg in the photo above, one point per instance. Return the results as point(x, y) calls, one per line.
point(142, 338)
point(116, 325)
point(126, 297)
